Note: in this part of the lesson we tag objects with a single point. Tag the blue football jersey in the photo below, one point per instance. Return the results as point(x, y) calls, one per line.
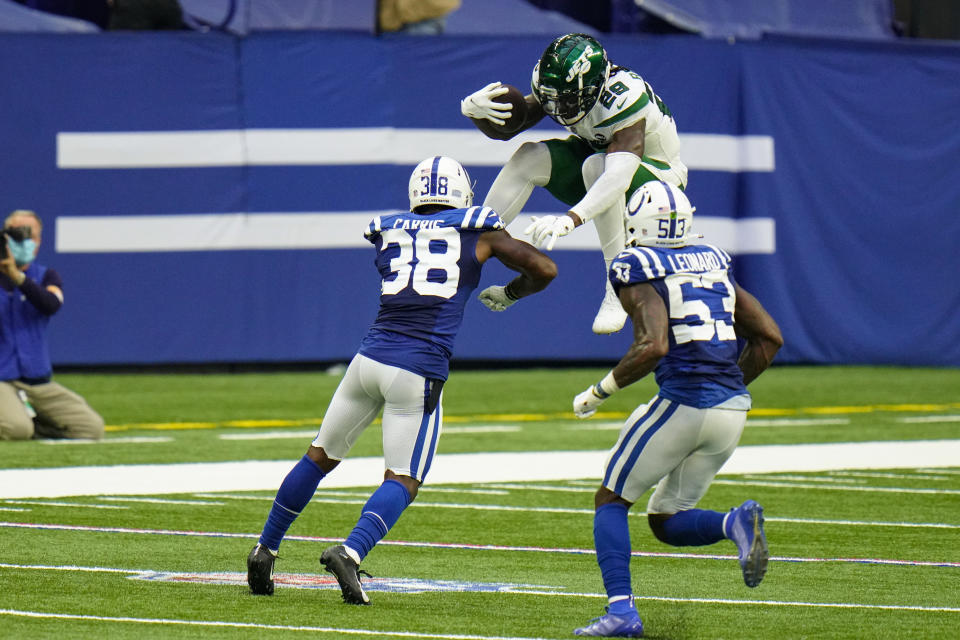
point(428, 265)
point(697, 287)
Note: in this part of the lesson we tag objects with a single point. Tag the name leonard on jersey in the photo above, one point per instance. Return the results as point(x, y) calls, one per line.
point(695, 262)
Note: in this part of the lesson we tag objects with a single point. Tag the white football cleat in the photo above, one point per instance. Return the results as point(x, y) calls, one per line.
point(611, 317)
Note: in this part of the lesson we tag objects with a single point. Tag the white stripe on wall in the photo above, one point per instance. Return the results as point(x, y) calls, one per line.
point(334, 230)
point(366, 146)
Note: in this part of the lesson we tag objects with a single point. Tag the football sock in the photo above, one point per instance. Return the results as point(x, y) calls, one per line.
point(621, 606)
point(378, 515)
point(611, 537)
point(294, 494)
point(693, 527)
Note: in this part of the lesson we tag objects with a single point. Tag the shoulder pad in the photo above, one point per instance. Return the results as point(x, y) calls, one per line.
point(481, 219)
point(373, 229)
point(639, 264)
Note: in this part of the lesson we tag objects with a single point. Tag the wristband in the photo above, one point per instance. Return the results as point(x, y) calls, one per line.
point(606, 387)
point(510, 295)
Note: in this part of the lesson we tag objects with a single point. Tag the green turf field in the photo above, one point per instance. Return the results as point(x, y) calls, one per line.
point(855, 554)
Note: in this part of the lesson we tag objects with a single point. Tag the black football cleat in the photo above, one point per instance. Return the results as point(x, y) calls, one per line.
point(347, 572)
point(260, 570)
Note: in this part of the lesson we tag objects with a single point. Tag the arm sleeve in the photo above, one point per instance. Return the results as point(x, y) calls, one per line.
point(45, 301)
point(618, 170)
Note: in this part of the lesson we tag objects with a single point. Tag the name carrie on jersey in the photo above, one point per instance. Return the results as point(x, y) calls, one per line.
point(405, 223)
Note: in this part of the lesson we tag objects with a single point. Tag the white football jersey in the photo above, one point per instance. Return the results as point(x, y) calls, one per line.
point(626, 99)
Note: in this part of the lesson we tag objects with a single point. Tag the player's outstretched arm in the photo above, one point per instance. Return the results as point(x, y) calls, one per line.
point(535, 268)
point(752, 322)
point(650, 344)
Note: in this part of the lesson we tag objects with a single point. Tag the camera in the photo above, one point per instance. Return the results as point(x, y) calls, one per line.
point(17, 234)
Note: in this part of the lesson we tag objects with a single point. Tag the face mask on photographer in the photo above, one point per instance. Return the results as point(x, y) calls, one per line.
point(22, 251)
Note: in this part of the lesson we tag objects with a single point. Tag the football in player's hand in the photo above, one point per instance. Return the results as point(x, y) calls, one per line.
point(518, 114)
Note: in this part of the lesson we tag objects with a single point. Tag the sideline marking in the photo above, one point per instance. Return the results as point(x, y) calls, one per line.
point(455, 468)
point(461, 546)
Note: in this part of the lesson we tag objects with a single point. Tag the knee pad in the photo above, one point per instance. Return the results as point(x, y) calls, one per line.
point(532, 161)
point(592, 168)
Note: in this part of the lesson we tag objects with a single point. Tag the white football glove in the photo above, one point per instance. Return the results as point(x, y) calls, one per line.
point(586, 403)
point(496, 298)
point(545, 230)
point(481, 106)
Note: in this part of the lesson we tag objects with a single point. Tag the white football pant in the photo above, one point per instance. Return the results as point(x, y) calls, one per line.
point(677, 447)
point(410, 430)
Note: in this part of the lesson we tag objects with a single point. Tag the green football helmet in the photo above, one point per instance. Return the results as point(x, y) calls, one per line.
point(570, 76)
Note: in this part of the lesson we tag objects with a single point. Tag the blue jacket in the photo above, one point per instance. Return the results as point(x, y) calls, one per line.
point(23, 334)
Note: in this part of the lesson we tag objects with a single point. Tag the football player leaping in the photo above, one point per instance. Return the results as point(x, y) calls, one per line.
point(429, 259)
point(687, 313)
point(623, 136)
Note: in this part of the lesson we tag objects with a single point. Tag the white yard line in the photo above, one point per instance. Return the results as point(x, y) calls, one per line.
point(482, 428)
point(796, 422)
point(37, 503)
point(120, 440)
point(199, 503)
point(541, 590)
point(268, 435)
point(461, 545)
point(830, 487)
point(892, 476)
point(251, 625)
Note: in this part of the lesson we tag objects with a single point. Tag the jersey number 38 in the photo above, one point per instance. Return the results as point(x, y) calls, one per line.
point(430, 253)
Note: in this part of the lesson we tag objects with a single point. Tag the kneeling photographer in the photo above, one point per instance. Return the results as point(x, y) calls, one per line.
point(31, 404)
